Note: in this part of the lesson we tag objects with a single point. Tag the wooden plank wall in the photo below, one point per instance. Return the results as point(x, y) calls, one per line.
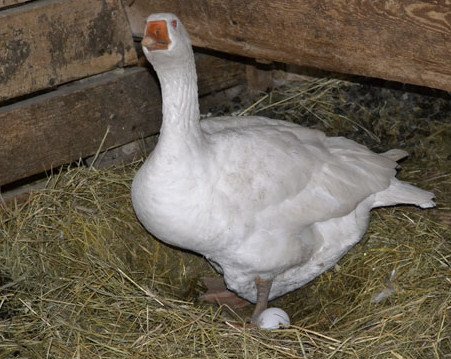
point(69, 84)
point(216, 74)
point(404, 40)
point(47, 43)
point(63, 125)
point(71, 122)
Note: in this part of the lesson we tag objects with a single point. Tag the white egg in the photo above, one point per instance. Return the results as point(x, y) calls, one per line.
point(273, 318)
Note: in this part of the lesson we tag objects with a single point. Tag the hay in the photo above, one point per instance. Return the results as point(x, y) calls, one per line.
point(80, 278)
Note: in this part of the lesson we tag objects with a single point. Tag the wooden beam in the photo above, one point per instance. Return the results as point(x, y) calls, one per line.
point(50, 42)
point(406, 40)
point(67, 124)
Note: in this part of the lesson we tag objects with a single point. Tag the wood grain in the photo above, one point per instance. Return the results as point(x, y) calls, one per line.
point(67, 124)
point(406, 40)
point(50, 42)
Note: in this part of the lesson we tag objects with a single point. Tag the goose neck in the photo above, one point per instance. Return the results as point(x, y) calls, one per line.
point(180, 100)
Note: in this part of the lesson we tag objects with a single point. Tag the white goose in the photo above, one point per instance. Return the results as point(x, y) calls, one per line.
point(270, 204)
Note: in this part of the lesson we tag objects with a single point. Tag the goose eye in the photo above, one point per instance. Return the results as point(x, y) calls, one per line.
point(174, 24)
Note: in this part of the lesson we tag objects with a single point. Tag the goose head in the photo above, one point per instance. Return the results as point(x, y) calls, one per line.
point(166, 43)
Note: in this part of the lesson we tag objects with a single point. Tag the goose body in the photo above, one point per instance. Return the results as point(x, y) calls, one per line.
point(259, 198)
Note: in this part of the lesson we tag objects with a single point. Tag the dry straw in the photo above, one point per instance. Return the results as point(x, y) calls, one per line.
point(80, 278)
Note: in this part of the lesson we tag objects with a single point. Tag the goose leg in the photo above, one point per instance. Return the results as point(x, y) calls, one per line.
point(263, 289)
point(218, 293)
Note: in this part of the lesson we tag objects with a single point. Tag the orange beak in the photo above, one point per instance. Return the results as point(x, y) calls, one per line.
point(156, 36)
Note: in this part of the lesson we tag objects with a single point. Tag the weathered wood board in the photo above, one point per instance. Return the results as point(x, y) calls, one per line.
point(7, 3)
point(50, 42)
point(61, 126)
point(69, 123)
point(216, 74)
point(405, 40)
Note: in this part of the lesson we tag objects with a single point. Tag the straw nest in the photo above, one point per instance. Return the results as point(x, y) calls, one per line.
point(80, 278)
